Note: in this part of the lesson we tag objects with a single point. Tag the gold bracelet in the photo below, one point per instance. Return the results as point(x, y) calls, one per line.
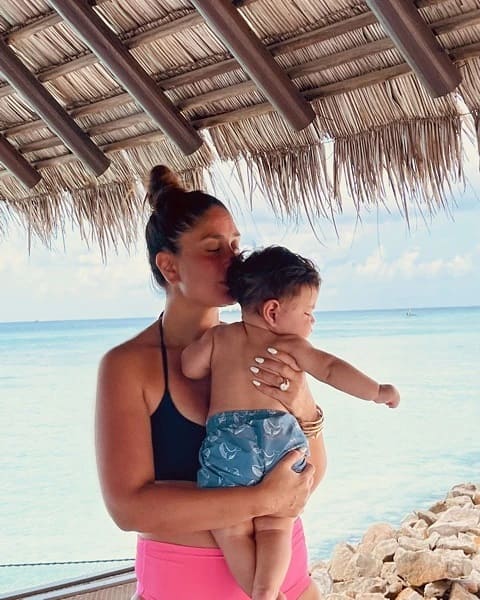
point(312, 429)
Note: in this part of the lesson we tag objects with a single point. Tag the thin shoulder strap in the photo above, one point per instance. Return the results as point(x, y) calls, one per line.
point(164, 352)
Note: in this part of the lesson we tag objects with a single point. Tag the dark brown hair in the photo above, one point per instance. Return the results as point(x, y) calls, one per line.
point(174, 211)
point(274, 272)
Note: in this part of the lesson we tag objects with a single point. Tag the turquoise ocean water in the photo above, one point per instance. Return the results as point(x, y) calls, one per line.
point(382, 463)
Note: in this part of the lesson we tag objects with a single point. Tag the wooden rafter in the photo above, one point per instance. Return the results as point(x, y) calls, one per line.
point(332, 60)
point(113, 54)
point(331, 89)
point(327, 32)
point(183, 23)
point(233, 30)
point(17, 165)
point(50, 110)
point(415, 41)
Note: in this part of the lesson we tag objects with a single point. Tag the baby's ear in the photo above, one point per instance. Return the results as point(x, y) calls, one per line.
point(270, 311)
point(167, 266)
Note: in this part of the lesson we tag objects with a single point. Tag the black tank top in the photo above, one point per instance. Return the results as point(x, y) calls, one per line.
point(176, 440)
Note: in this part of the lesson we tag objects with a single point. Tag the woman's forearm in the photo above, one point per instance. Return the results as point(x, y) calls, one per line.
point(181, 507)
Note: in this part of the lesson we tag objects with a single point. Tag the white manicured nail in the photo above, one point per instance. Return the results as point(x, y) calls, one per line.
point(256, 383)
point(259, 360)
point(272, 350)
point(254, 370)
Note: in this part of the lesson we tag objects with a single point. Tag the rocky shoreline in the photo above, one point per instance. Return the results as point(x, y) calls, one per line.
point(435, 553)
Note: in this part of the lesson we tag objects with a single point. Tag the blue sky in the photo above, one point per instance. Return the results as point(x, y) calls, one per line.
point(375, 263)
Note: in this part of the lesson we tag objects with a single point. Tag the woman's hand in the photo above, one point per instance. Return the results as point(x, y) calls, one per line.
point(276, 374)
point(288, 491)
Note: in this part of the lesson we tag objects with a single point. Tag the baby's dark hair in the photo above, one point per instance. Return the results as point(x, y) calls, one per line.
point(174, 211)
point(274, 272)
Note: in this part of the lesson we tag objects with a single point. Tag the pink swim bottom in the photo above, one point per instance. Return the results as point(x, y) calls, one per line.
point(172, 572)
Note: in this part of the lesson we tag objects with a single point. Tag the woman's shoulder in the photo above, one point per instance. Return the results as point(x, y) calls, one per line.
point(134, 352)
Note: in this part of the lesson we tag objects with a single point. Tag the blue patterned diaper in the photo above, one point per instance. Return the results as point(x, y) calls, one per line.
point(241, 446)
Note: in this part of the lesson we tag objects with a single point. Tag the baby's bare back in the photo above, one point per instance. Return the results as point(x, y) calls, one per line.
point(235, 348)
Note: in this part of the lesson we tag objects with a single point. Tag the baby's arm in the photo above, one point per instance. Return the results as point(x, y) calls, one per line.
point(342, 375)
point(197, 356)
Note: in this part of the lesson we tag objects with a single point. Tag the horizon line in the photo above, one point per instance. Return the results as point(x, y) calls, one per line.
point(341, 310)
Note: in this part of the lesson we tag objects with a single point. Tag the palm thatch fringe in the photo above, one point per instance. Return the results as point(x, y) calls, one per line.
point(288, 167)
point(41, 216)
point(394, 139)
point(191, 168)
point(470, 91)
point(414, 161)
point(107, 210)
point(107, 215)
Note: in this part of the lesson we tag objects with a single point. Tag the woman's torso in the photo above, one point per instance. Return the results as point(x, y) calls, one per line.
point(178, 409)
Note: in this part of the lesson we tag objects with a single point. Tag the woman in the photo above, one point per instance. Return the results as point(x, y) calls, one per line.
point(150, 418)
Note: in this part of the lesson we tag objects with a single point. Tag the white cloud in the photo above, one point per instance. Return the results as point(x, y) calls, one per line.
point(409, 265)
point(459, 265)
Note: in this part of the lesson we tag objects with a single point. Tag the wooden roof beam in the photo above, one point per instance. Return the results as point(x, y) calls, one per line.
point(158, 32)
point(325, 62)
point(331, 89)
point(113, 54)
point(439, 27)
point(17, 165)
point(260, 65)
point(413, 38)
point(57, 119)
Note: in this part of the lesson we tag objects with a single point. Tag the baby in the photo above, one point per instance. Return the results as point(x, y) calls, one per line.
point(249, 432)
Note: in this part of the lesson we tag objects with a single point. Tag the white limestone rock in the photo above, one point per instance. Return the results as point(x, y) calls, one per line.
point(463, 489)
point(414, 544)
point(458, 592)
point(340, 560)
point(375, 534)
point(433, 539)
point(409, 594)
point(459, 501)
point(472, 582)
point(361, 585)
point(389, 574)
point(417, 529)
point(464, 516)
point(385, 549)
point(427, 566)
point(463, 542)
point(322, 578)
point(437, 589)
point(427, 515)
point(363, 565)
point(439, 507)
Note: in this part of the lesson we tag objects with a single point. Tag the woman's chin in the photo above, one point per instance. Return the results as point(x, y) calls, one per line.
point(227, 301)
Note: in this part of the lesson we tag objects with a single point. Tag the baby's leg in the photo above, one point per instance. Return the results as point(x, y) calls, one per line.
point(273, 540)
point(238, 547)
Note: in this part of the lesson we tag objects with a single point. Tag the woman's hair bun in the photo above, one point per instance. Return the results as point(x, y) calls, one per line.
point(160, 180)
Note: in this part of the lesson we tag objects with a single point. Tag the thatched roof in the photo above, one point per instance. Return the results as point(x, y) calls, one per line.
point(388, 133)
